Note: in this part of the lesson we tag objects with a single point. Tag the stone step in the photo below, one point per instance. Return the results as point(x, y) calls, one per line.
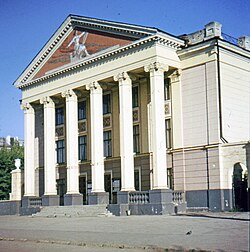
point(73, 211)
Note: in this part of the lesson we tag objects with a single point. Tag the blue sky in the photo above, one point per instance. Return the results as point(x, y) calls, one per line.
point(26, 25)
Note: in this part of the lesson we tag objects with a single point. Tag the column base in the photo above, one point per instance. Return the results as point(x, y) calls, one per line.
point(98, 198)
point(26, 201)
point(50, 200)
point(73, 199)
point(122, 197)
point(160, 196)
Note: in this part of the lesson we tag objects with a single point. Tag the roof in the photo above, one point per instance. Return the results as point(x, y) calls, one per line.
point(122, 32)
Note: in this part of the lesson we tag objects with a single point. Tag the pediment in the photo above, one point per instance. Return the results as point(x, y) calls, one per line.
point(77, 39)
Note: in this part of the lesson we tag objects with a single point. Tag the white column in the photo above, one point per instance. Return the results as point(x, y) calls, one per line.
point(29, 150)
point(96, 120)
point(126, 131)
point(158, 143)
point(49, 147)
point(72, 142)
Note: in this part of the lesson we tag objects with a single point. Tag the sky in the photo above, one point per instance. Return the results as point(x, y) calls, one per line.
point(26, 25)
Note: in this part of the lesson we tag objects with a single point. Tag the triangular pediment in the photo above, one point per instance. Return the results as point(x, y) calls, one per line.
point(79, 38)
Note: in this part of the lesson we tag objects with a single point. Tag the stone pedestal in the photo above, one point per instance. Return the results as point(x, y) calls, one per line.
point(160, 196)
point(50, 200)
point(98, 198)
point(123, 197)
point(73, 199)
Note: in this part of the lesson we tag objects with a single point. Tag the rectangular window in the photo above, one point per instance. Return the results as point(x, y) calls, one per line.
point(59, 116)
point(135, 96)
point(137, 180)
point(82, 148)
point(136, 138)
point(107, 143)
point(167, 94)
point(60, 151)
point(170, 178)
point(168, 133)
point(82, 110)
point(106, 104)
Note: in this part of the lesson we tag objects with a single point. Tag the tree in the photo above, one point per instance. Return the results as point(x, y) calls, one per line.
point(7, 164)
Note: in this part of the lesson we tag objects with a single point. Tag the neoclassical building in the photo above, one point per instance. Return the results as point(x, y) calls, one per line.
point(123, 114)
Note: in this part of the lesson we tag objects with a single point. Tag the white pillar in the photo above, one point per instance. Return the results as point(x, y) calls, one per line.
point(29, 150)
point(158, 143)
point(96, 120)
point(49, 147)
point(126, 131)
point(72, 142)
point(16, 182)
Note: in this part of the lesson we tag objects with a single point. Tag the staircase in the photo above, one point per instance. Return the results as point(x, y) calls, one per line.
point(73, 211)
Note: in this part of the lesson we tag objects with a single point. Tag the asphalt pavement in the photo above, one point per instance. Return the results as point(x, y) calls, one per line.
point(189, 232)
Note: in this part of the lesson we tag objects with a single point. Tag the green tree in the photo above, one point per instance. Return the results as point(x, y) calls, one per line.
point(7, 164)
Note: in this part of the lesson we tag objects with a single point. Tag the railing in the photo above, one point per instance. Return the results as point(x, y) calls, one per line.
point(139, 197)
point(229, 38)
point(35, 202)
point(178, 197)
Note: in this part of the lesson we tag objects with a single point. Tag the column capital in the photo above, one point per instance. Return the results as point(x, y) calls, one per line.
point(121, 77)
point(68, 93)
point(93, 85)
point(27, 107)
point(175, 76)
point(47, 101)
point(156, 66)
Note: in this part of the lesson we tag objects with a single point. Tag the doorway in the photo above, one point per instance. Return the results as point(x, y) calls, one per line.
point(61, 190)
point(240, 178)
point(108, 184)
point(83, 188)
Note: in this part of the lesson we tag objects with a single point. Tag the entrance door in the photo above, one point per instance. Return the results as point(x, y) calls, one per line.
point(108, 185)
point(83, 188)
point(240, 187)
point(61, 190)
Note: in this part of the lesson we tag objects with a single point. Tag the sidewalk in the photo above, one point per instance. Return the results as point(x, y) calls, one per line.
point(244, 216)
point(126, 234)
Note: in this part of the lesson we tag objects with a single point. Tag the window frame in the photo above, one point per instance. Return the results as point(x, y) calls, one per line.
point(60, 152)
point(106, 108)
point(82, 113)
point(135, 96)
point(168, 132)
point(60, 118)
point(136, 139)
point(107, 143)
point(82, 148)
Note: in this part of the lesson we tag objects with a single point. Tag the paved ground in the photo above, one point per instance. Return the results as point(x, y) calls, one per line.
point(217, 232)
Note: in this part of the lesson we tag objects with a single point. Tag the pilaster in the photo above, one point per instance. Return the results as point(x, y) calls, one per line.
point(158, 139)
point(96, 120)
point(126, 131)
point(29, 147)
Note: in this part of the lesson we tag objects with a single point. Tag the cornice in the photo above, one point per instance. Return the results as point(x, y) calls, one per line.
point(170, 43)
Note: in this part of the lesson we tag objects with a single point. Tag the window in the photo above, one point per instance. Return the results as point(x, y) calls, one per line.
point(60, 151)
point(107, 144)
point(135, 96)
point(167, 94)
point(137, 179)
point(82, 147)
point(170, 178)
point(59, 116)
point(82, 110)
point(168, 133)
point(136, 138)
point(106, 104)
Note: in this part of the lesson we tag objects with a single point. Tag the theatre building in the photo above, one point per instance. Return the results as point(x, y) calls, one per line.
point(136, 118)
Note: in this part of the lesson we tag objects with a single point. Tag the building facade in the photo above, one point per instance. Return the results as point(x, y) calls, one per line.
point(120, 114)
